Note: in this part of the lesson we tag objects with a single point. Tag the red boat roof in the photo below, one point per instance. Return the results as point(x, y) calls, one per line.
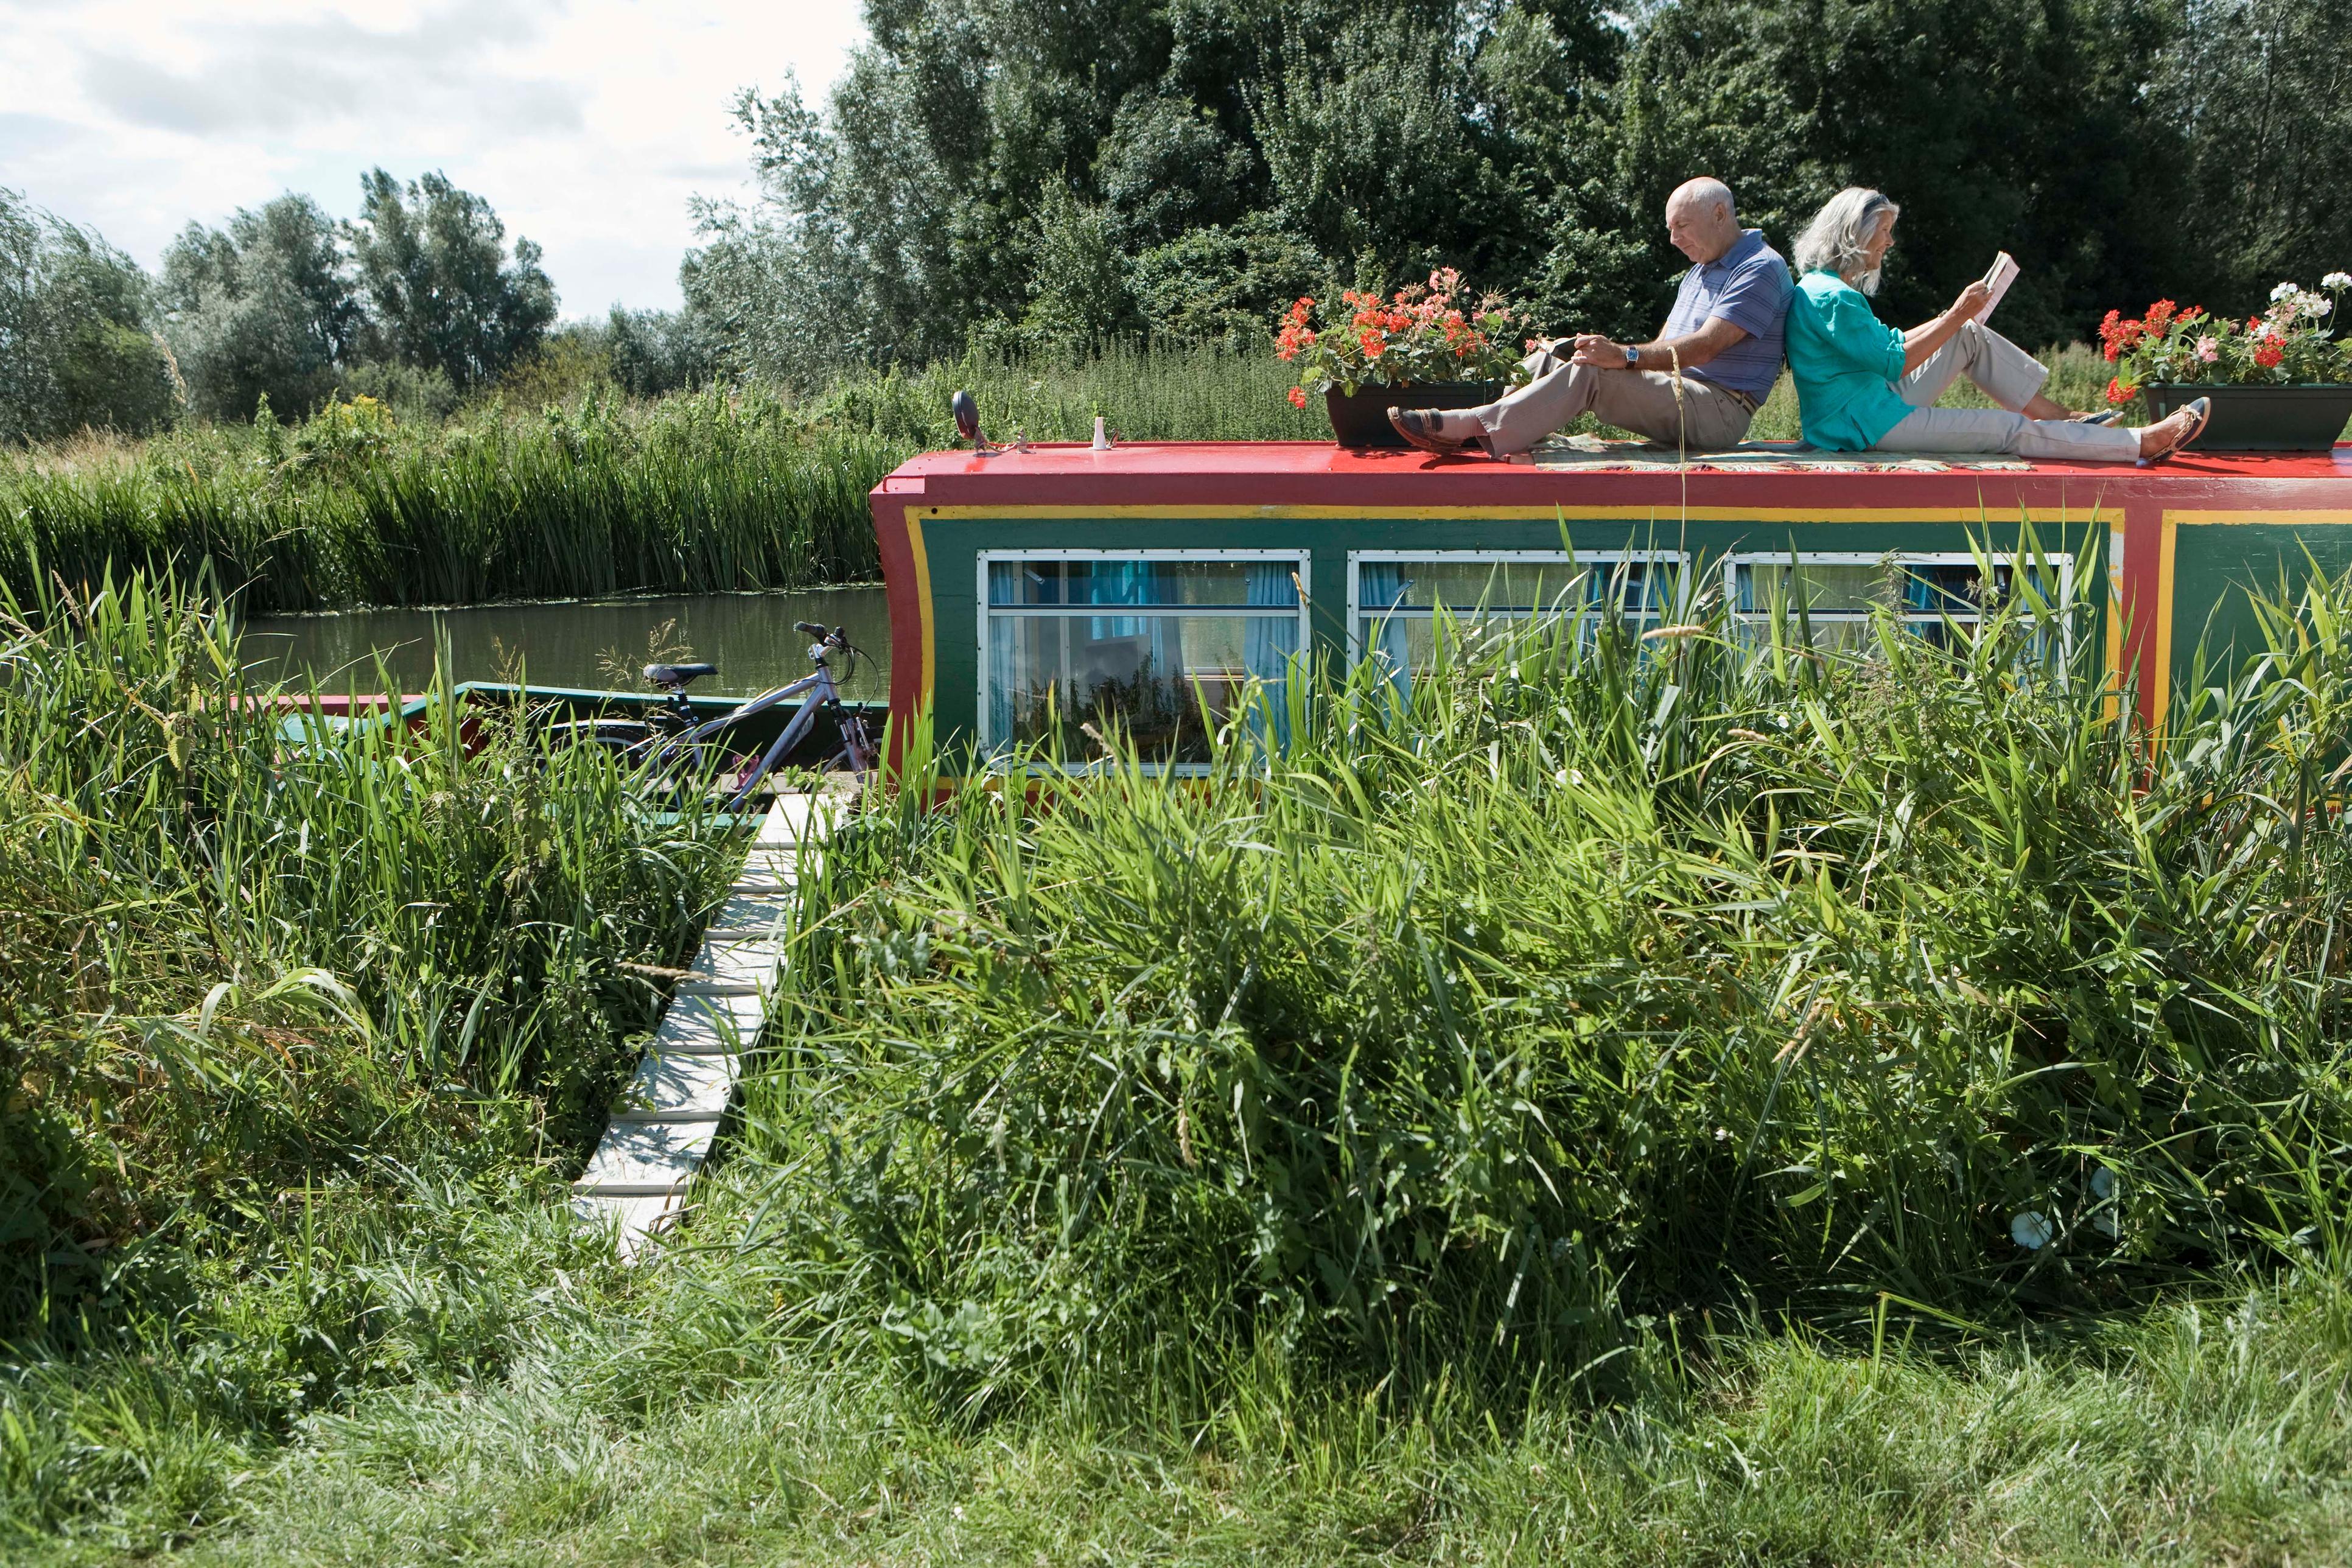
point(1223, 474)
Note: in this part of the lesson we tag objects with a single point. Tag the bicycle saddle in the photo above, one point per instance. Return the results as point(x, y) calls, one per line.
point(674, 677)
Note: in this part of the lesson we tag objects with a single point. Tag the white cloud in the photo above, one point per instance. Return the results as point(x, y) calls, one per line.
point(587, 123)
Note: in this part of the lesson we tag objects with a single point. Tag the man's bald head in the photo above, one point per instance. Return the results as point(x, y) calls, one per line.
point(1702, 219)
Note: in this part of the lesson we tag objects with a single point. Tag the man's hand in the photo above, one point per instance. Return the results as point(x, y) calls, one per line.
point(1598, 352)
point(1972, 299)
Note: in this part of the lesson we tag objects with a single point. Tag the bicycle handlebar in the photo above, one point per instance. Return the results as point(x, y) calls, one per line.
point(811, 629)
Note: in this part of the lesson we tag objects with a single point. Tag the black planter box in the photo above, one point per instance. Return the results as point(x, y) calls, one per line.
point(1362, 420)
point(2260, 419)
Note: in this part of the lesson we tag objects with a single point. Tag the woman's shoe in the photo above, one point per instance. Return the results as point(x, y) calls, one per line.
point(2200, 412)
point(1419, 426)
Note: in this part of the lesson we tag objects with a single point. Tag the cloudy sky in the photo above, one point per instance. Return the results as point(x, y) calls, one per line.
point(587, 123)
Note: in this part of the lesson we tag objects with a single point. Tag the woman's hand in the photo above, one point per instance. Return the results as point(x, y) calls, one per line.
point(1922, 340)
point(1973, 299)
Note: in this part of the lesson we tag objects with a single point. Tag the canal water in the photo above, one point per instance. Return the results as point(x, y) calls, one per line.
point(598, 644)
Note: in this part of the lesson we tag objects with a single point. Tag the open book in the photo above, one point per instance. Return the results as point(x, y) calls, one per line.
point(1997, 277)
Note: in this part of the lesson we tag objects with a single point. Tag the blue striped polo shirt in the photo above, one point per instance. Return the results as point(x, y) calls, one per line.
point(1747, 286)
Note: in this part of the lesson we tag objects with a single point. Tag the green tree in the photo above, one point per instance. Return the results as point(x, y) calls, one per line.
point(77, 332)
point(1998, 124)
point(976, 160)
point(1167, 167)
point(655, 353)
point(263, 308)
point(2255, 108)
point(1018, 161)
point(1228, 283)
point(1078, 286)
point(1377, 153)
point(442, 291)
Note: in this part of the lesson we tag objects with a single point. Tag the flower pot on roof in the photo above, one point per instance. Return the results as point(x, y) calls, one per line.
point(2279, 382)
point(1423, 348)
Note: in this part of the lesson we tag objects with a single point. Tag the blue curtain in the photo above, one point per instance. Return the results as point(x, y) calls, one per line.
point(1120, 583)
point(1269, 644)
point(1139, 582)
point(1379, 588)
point(1639, 585)
point(1004, 587)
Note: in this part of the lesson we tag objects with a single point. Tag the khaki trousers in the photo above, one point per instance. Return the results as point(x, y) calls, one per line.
point(2010, 377)
point(1642, 401)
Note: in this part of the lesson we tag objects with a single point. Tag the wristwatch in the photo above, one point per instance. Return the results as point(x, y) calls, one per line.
point(1633, 357)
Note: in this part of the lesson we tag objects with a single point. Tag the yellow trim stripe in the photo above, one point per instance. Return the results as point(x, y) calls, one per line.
point(923, 604)
point(2336, 515)
point(1500, 514)
point(2115, 619)
point(2163, 692)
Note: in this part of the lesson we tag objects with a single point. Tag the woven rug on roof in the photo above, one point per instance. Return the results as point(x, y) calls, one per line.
point(1600, 452)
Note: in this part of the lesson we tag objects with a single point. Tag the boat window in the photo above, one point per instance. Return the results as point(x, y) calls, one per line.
point(1932, 596)
point(1159, 644)
point(1394, 598)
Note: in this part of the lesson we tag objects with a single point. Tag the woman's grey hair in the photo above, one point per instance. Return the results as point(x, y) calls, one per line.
point(1835, 240)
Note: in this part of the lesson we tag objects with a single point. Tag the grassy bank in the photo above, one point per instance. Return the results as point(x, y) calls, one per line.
point(251, 977)
point(1586, 1116)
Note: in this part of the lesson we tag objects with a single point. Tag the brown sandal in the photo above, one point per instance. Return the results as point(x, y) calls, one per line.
point(1419, 427)
point(2202, 409)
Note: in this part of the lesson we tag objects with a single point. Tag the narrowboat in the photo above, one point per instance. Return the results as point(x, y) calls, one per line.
point(1028, 587)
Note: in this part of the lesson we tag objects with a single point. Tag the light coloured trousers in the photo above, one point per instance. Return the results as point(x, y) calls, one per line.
point(2010, 377)
point(1642, 401)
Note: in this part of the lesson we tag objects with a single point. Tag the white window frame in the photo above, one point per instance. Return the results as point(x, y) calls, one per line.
point(1299, 561)
point(2015, 560)
point(1679, 561)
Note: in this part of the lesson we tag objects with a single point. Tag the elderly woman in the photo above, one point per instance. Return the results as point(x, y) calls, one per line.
point(1863, 384)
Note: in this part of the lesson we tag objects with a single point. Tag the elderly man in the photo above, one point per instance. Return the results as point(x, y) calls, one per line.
point(1725, 334)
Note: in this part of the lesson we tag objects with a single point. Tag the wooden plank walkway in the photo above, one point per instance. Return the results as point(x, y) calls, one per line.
point(662, 1130)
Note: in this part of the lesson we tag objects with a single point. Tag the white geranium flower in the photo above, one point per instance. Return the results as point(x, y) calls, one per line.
point(2337, 280)
point(2317, 304)
point(2286, 291)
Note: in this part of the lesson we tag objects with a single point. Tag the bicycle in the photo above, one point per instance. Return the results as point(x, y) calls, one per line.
point(673, 745)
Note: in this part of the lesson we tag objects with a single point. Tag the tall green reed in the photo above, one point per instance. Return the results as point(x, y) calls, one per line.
point(1147, 392)
point(697, 493)
point(1608, 976)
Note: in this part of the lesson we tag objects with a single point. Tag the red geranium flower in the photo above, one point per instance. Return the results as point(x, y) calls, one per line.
point(1298, 397)
point(2120, 390)
point(2118, 334)
point(2270, 354)
point(2159, 315)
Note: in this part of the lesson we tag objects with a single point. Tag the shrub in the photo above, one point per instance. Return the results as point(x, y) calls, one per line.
point(1608, 977)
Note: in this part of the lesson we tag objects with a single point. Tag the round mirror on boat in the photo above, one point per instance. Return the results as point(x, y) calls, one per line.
point(967, 415)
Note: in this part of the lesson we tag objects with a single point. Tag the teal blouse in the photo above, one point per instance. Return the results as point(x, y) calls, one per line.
point(1845, 363)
